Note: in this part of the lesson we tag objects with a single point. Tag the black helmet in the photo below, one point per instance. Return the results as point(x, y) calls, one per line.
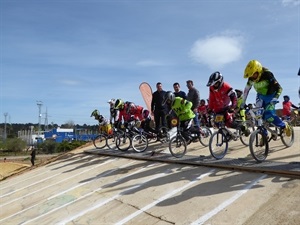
point(238, 92)
point(214, 78)
point(119, 104)
point(95, 113)
point(286, 97)
point(169, 96)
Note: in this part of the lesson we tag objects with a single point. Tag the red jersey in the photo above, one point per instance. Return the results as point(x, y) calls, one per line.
point(123, 115)
point(220, 99)
point(286, 108)
point(138, 113)
point(202, 109)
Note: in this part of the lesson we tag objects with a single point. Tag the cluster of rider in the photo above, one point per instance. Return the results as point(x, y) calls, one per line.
point(223, 99)
point(121, 114)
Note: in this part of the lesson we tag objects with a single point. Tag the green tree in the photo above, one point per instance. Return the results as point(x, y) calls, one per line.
point(15, 145)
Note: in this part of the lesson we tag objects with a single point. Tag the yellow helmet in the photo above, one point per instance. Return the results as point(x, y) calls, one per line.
point(252, 67)
point(119, 104)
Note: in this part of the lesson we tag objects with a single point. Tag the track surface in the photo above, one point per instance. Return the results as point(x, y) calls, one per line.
point(109, 187)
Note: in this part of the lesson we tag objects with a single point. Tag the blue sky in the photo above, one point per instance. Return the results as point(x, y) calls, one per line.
point(74, 55)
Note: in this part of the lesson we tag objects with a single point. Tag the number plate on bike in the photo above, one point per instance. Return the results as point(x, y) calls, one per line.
point(219, 118)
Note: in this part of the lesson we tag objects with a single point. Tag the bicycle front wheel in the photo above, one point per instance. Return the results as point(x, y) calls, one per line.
point(218, 145)
point(100, 141)
point(205, 135)
point(123, 142)
point(259, 145)
point(177, 146)
point(111, 141)
point(139, 143)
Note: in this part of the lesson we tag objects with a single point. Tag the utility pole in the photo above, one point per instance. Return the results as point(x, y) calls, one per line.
point(46, 119)
point(5, 134)
point(39, 104)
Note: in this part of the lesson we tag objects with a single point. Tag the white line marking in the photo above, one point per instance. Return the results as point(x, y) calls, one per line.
point(101, 203)
point(61, 181)
point(229, 201)
point(81, 197)
point(32, 177)
point(126, 219)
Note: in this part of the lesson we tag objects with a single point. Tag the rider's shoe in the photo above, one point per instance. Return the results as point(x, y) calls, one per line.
point(287, 129)
point(247, 132)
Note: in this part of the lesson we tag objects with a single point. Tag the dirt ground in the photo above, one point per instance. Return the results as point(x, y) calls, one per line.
point(16, 165)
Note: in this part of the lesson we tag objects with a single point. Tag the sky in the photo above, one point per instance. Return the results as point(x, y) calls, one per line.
point(72, 56)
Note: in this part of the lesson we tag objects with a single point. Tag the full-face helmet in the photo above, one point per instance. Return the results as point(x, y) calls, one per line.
point(168, 98)
point(119, 104)
point(252, 67)
point(216, 80)
point(146, 113)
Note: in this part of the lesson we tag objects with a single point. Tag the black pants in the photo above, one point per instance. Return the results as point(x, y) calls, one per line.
point(159, 119)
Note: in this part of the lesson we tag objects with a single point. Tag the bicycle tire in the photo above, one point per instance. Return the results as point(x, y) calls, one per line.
point(259, 146)
point(205, 136)
point(245, 139)
point(163, 135)
point(287, 140)
point(218, 144)
point(139, 143)
point(123, 142)
point(177, 146)
point(100, 141)
point(111, 142)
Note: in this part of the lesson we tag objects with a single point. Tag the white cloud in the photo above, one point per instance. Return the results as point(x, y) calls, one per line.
point(290, 2)
point(217, 51)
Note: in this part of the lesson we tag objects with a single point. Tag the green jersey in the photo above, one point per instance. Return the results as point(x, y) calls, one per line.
point(182, 109)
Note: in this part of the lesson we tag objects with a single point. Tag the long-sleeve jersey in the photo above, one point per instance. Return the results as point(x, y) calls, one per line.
point(267, 85)
point(220, 99)
point(193, 96)
point(182, 109)
point(287, 108)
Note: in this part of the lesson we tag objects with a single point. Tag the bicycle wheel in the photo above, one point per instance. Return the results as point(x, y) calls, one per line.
point(218, 145)
point(259, 145)
point(139, 143)
point(123, 142)
point(287, 140)
point(205, 135)
point(163, 134)
point(111, 141)
point(177, 146)
point(100, 141)
point(245, 137)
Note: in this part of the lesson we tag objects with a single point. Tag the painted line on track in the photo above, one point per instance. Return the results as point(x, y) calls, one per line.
point(229, 201)
point(60, 181)
point(32, 177)
point(86, 195)
point(128, 218)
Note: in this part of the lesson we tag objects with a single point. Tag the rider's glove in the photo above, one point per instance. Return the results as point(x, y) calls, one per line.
point(274, 101)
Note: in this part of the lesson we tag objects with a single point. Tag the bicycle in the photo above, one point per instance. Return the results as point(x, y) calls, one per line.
point(178, 144)
point(103, 139)
point(132, 137)
point(259, 139)
point(218, 143)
